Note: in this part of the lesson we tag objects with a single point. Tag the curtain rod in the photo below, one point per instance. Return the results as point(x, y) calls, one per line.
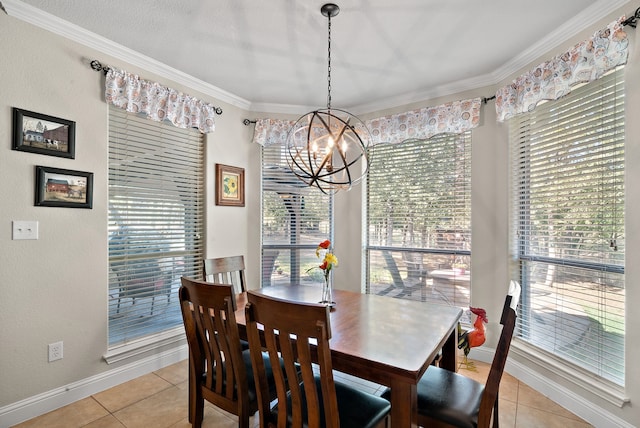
point(633, 19)
point(97, 66)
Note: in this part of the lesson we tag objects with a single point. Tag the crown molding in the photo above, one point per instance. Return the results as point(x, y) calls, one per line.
point(579, 22)
point(46, 21)
point(589, 16)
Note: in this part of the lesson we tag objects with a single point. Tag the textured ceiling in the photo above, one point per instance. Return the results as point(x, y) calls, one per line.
point(384, 53)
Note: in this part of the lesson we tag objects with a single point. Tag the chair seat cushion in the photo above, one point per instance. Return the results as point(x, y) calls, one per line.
point(357, 409)
point(251, 384)
point(449, 397)
point(244, 344)
point(246, 356)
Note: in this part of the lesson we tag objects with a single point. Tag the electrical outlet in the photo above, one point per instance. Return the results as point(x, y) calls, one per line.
point(25, 229)
point(55, 351)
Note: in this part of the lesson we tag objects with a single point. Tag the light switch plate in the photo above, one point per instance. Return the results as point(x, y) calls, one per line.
point(25, 229)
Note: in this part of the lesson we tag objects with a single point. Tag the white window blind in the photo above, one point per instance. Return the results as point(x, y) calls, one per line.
point(155, 222)
point(568, 195)
point(419, 219)
point(295, 219)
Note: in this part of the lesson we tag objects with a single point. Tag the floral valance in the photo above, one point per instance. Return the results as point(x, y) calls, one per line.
point(159, 103)
point(454, 117)
point(272, 131)
point(584, 62)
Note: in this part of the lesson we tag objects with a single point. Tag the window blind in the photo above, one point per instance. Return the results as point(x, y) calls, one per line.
point(419, 213)
point(568, 226)
point(295, 219)
point(156, 192)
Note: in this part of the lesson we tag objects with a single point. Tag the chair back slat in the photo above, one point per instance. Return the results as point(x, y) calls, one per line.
point(217, 369)
point(289, 330)
point(225, 270)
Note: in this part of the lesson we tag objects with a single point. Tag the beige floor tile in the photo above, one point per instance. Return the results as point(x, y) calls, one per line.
point(476, 370)
point(164, 409)
point(212, 419)
point(479, 371)
point(509, 388)
point(507, 414)
point(529, 397)
point(529, 417)
point(76, 414)
point(130, 392)
point(108, 421)
point(160, 400)
point(175, 373)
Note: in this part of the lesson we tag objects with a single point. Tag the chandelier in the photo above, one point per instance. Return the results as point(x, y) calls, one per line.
point(327, 148)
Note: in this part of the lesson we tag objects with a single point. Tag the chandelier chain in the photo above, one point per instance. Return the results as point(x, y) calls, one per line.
point(329, 67)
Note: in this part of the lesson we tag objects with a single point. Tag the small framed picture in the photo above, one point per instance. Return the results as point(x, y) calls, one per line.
point(229, 185)
point(47, 135)
point(57, 187)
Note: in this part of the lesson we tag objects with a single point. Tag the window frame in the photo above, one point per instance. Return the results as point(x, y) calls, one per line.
point(153, 166)
point(449, 242)
point(571, 133)
point(307, 207)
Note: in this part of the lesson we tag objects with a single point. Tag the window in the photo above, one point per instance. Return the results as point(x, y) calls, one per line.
point(419, 220)
point(568, 236)
point(155, 222)
point(295, 219)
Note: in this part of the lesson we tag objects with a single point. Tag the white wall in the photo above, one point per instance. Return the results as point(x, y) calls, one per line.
point(55, 288)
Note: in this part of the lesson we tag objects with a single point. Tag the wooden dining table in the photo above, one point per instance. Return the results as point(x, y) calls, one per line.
point(385, 340)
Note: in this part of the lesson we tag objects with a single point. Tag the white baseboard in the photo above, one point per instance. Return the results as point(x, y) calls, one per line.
point(42, 403)
point(578, 405)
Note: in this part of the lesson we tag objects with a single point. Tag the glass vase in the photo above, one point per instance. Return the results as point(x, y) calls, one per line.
point(327, 292)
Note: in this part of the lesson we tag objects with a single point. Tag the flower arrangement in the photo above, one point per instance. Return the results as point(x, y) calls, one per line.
point(329, 261)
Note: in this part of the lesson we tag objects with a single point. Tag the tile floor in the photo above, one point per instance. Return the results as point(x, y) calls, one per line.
point(159, 400)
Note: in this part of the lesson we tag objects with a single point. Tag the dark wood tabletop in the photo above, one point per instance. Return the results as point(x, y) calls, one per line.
point(382, 339)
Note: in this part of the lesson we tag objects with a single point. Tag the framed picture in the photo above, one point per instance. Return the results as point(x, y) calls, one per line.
point(46, 135)
point(57, 187)
point(229, 185)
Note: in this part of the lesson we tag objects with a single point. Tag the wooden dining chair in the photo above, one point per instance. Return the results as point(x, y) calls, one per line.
point(449, 399)
point(300, 333)
point(225, 270)
point(219, 370)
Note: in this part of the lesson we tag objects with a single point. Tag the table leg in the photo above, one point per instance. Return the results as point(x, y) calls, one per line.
point(449, 360)
point(404, 405)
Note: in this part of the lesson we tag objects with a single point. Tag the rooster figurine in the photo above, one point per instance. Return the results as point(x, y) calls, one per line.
point(474, 337)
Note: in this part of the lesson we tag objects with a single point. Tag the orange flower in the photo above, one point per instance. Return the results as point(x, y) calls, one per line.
point(322, 246)
point(329, 260)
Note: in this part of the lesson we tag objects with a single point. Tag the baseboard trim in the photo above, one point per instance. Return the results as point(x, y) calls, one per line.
point(40, 404)
point(576, 404)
